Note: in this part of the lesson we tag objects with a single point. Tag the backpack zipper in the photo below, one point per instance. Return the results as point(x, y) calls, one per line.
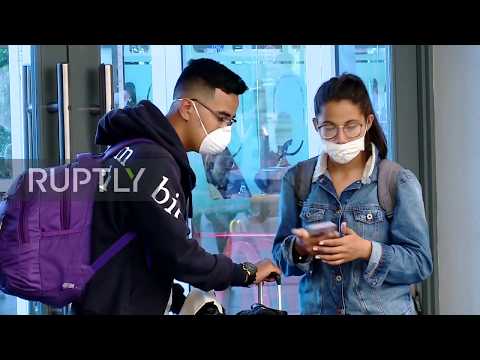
point(64, 213)
point(22, 234)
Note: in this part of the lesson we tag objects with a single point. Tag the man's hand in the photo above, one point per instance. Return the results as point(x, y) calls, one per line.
point(344, 249)
point(266, 271)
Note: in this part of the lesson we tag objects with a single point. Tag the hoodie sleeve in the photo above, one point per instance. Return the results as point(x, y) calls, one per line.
point(160, 220)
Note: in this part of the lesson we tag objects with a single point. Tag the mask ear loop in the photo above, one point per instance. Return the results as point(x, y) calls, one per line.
point(199, 117)
point(198, 114)
point(364, 135)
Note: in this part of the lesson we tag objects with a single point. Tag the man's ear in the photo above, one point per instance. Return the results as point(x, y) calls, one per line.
point(185, 109)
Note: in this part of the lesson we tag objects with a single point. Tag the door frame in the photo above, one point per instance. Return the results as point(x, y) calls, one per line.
point(415, 140)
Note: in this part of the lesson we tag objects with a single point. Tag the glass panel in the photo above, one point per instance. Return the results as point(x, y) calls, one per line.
point(5, 118)
point(132, 72)
point(12, 60)
point(137, 73)
point(237, 193)
point(373, 64)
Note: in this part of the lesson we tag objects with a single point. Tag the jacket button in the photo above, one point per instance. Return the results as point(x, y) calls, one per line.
point(338, 278)
point(338, 211)
point(369, 216)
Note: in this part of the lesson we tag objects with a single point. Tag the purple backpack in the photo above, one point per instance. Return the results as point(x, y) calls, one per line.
point(45, 235)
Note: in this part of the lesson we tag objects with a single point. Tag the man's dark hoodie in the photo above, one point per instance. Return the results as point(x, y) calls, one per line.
point(139, 279)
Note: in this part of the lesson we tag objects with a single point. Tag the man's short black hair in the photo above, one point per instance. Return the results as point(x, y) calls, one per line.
point(210, 74)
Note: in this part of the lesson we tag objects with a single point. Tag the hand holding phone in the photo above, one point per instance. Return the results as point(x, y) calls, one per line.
point(309, 237)
point(320, 228)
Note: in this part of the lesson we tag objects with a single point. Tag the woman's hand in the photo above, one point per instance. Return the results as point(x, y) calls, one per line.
point(344, 249)
point(305, 244)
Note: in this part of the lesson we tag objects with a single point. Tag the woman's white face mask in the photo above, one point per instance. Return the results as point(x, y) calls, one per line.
point(344, 153)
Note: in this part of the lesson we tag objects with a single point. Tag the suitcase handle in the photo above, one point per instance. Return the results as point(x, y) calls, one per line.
point(278, 280)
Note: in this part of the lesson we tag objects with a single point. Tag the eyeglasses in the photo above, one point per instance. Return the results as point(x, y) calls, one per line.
point(222, 117)
point(351, 129)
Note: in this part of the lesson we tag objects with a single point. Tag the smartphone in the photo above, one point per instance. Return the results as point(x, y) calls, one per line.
point(319, 228)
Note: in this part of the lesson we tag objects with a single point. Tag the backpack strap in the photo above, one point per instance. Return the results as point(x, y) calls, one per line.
point(387, 185)
point(112, 149)
point(303, 174)
point(126, 238)
point(113, 250)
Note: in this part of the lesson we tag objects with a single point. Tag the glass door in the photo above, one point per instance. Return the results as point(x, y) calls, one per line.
point(51, 97)
point(239, 189)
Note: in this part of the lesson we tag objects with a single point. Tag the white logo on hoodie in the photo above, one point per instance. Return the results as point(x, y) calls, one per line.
point(123, 155)
point(166, 197)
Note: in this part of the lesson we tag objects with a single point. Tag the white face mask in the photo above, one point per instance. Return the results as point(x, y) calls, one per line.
point(216, 141)
point(344, 153)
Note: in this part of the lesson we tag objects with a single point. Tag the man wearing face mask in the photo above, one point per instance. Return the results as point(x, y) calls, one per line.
point(138, 280)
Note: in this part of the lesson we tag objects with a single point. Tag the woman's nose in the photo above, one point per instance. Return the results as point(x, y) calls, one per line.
point(340, 138)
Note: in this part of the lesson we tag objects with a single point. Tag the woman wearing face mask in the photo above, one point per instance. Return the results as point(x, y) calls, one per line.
point(369, 263)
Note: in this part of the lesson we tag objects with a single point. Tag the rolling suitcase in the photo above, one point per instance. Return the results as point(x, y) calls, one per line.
point(260, 309)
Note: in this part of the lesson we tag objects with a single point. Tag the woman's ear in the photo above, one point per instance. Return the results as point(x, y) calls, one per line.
point(315, 123)
point(370, 119)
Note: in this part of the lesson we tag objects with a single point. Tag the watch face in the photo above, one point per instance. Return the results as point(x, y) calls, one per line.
point(250, 267)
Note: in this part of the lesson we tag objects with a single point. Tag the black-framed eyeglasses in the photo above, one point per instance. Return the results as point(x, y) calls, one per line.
point(222, 117)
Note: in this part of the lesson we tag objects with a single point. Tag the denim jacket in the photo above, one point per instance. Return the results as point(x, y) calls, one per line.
point(400, 246)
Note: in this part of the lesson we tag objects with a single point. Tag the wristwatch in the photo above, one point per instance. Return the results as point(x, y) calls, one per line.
point(250, 273)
